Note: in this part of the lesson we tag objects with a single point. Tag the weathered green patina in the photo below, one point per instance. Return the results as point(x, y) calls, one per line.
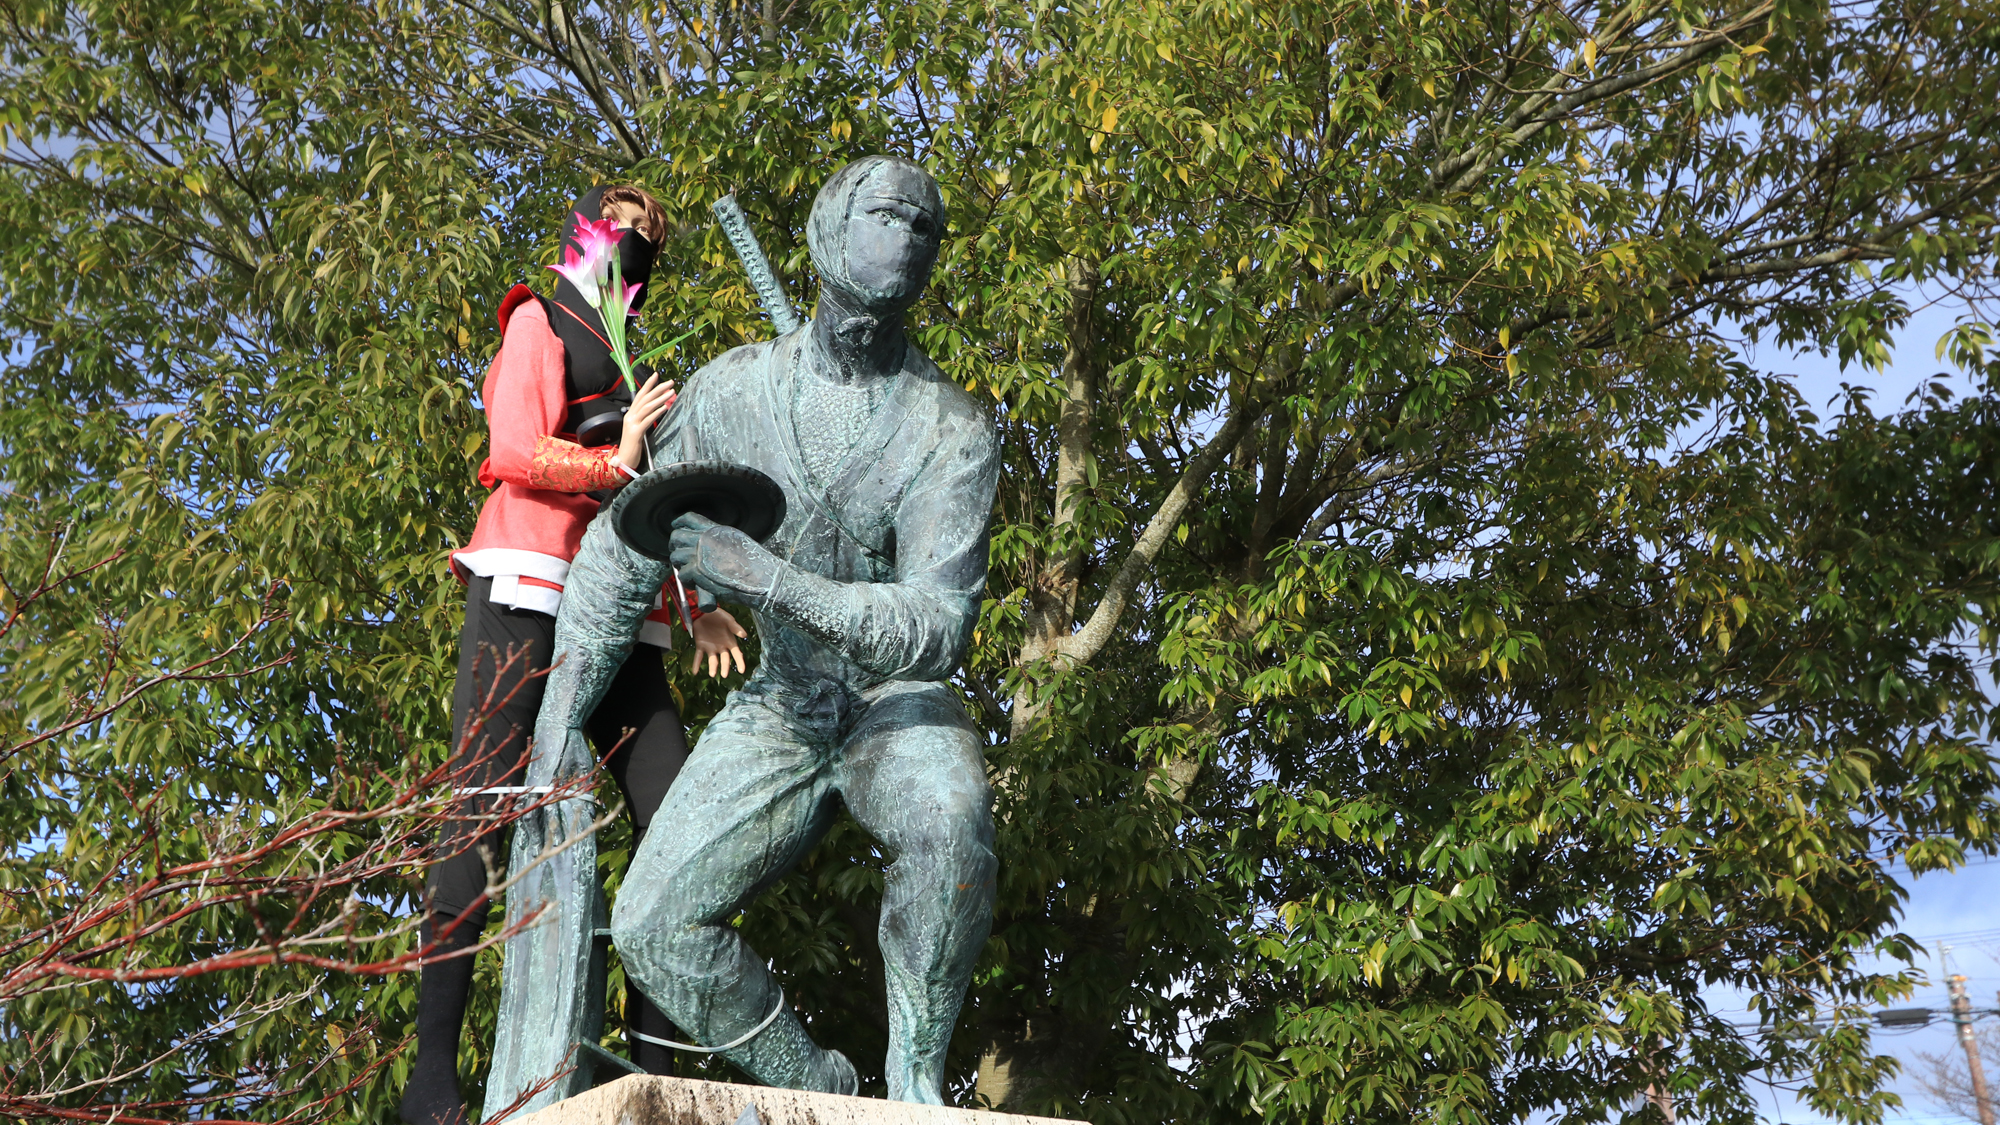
point(865, 599)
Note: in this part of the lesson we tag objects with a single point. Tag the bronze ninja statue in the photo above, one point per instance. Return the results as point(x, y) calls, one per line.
point(865, 598)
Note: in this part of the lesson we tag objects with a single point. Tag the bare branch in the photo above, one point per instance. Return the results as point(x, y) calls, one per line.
point(1083, 645)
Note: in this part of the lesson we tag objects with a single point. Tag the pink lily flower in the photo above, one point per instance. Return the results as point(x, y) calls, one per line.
point(598, 239)
point(591, 266)
point(588, 264)
point(585, 274)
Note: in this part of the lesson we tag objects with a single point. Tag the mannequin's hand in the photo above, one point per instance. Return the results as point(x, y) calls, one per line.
point(653, 399)
point(721, 559)
point(716, 634)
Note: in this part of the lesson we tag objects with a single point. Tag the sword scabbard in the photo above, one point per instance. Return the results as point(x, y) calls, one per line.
point(770, 290)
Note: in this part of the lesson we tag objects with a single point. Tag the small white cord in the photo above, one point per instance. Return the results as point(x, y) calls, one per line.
point(729, 1046)
point(681, 603)
point(499, 790)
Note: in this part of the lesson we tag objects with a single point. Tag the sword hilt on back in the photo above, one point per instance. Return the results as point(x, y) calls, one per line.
point(770, 291)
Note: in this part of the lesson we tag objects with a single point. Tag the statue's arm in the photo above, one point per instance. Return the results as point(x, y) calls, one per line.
point(672, 438)
point(915, 628)
point(611, 587)
point(609, 591)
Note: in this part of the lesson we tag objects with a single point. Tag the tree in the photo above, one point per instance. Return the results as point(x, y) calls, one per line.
point(1944, 1076)
point(239, 342)
point(1421, 656)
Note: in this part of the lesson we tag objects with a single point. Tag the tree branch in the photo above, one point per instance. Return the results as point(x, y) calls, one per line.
point(1081, 646)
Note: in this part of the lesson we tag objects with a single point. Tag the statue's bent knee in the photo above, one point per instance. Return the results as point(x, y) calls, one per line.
point(958, 844)
point(657, 929)
point(639, 925)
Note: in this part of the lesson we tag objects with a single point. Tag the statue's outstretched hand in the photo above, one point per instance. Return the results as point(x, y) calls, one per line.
point(721, 559)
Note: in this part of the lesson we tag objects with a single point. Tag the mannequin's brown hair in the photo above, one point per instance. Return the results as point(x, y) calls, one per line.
point(654, 223)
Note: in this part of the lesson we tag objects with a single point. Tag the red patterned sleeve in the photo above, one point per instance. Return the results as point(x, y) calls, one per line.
point(564, 466)
point(525, 408)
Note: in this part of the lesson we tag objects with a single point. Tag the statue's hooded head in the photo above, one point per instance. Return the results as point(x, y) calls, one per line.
point(874, 233)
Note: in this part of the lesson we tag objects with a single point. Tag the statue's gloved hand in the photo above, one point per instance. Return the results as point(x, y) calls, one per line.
point(722, 560)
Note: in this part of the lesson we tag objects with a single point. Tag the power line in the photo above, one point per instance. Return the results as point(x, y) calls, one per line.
point(1963, 935)
point(1899, 1019)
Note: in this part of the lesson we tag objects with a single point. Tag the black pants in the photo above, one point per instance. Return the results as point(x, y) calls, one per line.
point(637, 701)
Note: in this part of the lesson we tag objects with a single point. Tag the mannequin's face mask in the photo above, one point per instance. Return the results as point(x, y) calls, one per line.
point(635, 262)
point(874, 232)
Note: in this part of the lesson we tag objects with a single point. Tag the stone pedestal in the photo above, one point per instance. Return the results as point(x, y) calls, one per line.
point(639, 1099)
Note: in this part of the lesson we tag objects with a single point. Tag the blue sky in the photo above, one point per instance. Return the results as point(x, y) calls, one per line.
point(1961, 908)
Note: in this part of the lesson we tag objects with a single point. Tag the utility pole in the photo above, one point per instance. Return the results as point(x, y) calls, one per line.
point(1961, 1014)
point(1664, 1098)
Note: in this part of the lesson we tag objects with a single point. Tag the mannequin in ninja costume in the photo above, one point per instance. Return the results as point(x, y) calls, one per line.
point(559, 441)
point(865, 598)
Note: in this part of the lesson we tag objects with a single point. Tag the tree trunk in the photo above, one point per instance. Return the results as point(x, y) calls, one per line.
point(1016, 1065)
point(1051, 609)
